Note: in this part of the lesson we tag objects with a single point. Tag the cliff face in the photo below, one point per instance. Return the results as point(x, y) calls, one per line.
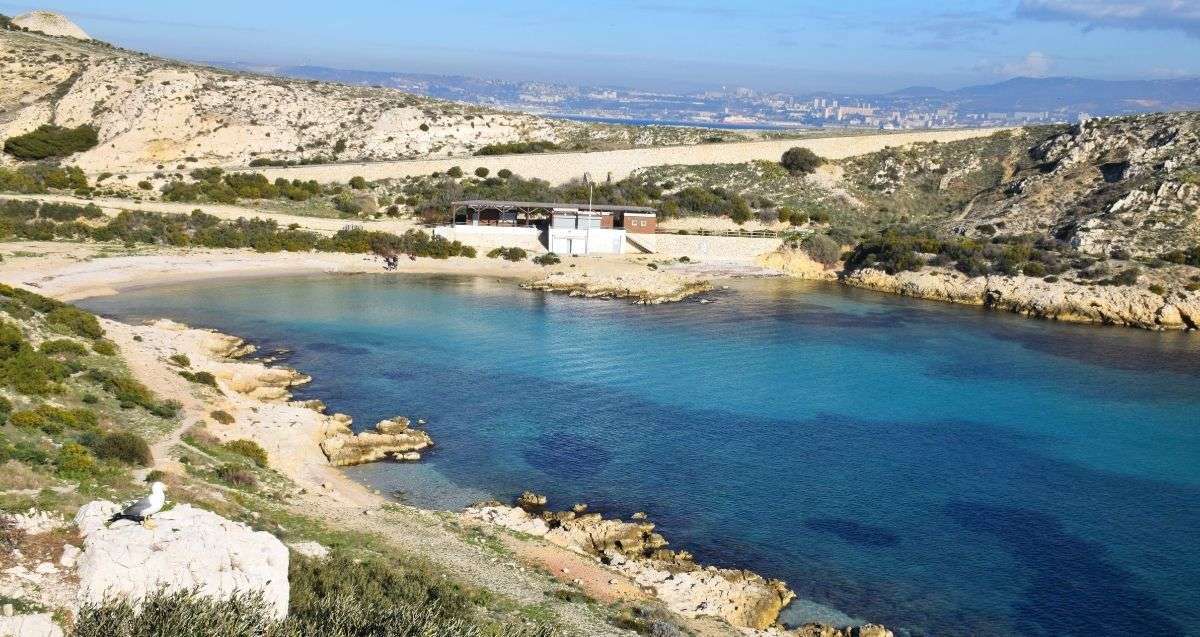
point(1128, 184)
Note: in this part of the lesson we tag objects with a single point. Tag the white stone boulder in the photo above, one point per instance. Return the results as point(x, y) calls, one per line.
point(187, 548)
point(34, 625)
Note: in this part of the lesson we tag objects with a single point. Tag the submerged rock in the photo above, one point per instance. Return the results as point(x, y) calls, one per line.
point(183, 548)
point(390, 438)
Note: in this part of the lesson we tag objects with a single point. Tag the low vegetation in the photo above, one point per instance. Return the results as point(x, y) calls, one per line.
point(38, 178)
point(516, 148)
point(508, 254)
point(49, 141)
point(204, 230)
point(800, 161)
point(341, 597)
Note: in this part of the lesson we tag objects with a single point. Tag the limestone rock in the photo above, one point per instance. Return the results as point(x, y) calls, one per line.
point(314, 550)
point(796, 263)
point(35, 522)
point(187, 548)
point(1061, 300)
point(390, 438)
point(33, 625)
point(742, 598)
point(50, 23)
point(531, 501)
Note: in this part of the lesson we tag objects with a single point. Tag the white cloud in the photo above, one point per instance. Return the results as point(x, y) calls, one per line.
point(1177, 15)
point(1035, 64)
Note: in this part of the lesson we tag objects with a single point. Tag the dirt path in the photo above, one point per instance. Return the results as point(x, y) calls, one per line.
point(617, 164)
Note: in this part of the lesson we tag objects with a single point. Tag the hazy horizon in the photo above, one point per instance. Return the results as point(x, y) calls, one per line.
point(765, 45)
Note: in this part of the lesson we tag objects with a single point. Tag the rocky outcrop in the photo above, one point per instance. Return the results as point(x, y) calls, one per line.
point(50, 23)
point(798, 264)
point(644, 290)
point(1125, 184)
point(1059, 300)
point(825, 630)
point(390, 438)
point(634, 549)
point(184, 548)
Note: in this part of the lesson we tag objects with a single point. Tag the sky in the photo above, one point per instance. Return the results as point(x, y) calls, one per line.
point(671, 45)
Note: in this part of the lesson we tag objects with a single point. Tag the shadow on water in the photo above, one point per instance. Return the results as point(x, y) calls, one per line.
point(1073, 589)
point(853, 532)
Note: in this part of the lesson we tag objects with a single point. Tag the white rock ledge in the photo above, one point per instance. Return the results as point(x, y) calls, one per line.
point(188, 548)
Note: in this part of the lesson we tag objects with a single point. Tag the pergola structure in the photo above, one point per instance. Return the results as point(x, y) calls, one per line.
point(508, 212)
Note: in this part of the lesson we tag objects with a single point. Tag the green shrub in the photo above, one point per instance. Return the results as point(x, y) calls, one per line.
point(358, 183)
point(180, 614)
point(508, 254)
point(27, 419)
point(181, 360)
point(51, 141)
point(222, 416)
point(124, 446)
point(800, 161)
point(130, 393)
point(455, 172)
point(155, 476)
point(104, 347)
point(516, 148)
point(76, 320)
point(1157, 289)
point(822, 249)
point(740, 211)
point(6, 408)
point(200, 378)
point(75, 461)
point(547, 259)
point(481, 172)
point(63, 346)
point(31, 372)
point(504, 173)
point(249, 449)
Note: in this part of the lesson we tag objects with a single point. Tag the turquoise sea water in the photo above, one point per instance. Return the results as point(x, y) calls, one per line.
point(940, 469)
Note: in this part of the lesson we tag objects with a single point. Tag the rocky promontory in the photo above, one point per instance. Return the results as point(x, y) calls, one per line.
point(390, 438)
point(1059, 300)
point(633, 548)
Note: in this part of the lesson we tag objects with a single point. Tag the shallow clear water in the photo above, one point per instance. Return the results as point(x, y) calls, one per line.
point(940, 469)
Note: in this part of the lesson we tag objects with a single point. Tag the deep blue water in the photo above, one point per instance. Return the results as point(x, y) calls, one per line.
point(940, 469)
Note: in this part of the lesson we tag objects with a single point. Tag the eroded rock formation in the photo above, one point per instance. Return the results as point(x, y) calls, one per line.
point(390, 438)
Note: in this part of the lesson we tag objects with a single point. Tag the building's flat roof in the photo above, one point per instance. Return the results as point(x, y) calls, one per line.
point(501, 205)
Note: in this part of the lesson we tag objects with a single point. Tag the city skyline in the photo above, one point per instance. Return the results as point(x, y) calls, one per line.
point(764, 45)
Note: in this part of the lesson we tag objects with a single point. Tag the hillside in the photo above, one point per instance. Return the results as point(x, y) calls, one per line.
point(150, 111)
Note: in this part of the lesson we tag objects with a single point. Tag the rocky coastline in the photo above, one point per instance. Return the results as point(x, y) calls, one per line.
point(634, 549)
point(631, 549)
point(1035, 297)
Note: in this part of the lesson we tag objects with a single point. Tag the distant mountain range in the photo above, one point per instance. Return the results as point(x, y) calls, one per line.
point(1099, 97)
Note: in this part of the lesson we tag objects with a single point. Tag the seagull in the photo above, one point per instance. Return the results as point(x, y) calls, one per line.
point(145, 507)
